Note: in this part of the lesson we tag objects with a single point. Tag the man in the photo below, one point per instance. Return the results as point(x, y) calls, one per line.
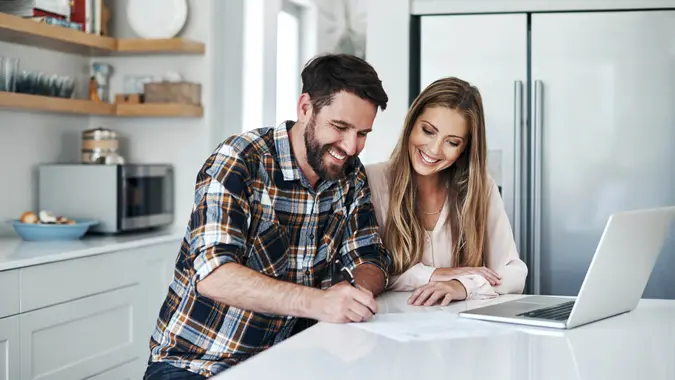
point(274, 209)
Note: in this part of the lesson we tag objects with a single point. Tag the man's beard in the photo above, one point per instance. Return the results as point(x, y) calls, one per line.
point(316, 152)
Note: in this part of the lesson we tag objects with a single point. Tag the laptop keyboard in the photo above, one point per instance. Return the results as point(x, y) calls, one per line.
point(557, 313)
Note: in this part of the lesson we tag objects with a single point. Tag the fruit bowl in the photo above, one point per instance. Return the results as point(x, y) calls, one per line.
point(52, 231)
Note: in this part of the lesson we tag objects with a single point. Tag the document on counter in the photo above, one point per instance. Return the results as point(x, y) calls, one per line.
point(436, 325)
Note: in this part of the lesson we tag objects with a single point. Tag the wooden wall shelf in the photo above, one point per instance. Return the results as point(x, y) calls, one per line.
point(169, 45)
point(28, 32)
point(159, 110)
point(11, 100)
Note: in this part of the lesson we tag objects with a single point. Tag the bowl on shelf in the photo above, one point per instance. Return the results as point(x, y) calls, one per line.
point(52, 231)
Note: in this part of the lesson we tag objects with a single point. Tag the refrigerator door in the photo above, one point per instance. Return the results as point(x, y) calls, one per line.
point(603, 90)
point(490, 52)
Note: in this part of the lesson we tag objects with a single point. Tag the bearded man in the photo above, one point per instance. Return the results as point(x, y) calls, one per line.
point(278, 213)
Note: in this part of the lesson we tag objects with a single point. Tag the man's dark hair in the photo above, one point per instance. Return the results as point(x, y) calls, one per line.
point(327, 74)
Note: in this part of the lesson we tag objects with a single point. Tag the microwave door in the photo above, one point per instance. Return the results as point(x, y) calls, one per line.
point(146, 196)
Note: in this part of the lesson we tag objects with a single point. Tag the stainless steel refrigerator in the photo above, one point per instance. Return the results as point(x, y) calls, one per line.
point(580, 118)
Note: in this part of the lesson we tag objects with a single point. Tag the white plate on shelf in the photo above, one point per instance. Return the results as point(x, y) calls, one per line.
point(157, 18)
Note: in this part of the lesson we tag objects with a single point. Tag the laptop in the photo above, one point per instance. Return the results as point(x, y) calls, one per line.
point(614, 282)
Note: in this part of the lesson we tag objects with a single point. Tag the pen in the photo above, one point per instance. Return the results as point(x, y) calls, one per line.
point(347, 276)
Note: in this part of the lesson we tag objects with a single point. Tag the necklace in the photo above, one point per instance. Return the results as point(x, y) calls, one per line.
point(432, 213)
point(439, 210)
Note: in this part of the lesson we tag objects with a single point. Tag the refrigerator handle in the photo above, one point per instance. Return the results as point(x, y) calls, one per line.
point(536, 183)
point(518, 210)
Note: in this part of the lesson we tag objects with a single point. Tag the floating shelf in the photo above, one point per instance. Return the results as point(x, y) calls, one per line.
point(28, 32)
point(169, 45)
point(159, 110)
point(11, 100)
point(53, 104)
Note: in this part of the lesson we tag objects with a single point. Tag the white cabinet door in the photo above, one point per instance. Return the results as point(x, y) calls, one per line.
point(604, 85)
point(158, 266)
point(55, 283)
point(490, 52)
point(9, 293)
point(123, 372)
point(9, 348)
point(82, 338)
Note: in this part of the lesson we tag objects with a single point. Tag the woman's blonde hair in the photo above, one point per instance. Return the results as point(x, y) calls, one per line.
point(466, 179)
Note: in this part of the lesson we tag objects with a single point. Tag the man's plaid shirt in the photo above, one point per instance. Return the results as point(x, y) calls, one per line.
point(253, 206)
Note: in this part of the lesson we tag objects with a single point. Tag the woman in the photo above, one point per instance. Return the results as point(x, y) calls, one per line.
point(440, 214)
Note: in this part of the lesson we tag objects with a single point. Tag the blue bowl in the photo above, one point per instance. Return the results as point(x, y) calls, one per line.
point(49, 232)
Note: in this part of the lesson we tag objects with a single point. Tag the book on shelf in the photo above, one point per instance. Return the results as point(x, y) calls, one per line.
point(50, 20)
point(88, 14)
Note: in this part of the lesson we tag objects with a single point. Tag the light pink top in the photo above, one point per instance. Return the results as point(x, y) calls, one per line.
point(500, 248)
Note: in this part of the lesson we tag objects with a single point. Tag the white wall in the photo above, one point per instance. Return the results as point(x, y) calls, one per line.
point(387, 51)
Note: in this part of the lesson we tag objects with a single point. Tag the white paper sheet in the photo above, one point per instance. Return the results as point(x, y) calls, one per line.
point(436, 325)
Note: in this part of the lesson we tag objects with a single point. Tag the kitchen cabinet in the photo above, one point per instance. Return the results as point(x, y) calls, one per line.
point(158, 267)
point(9, 348)
point(89, 317)
point(55, 283)
point(78, 339)
point(9, 293)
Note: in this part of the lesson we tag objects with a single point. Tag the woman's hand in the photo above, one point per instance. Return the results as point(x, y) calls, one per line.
point(446, 274)
point(433, 292)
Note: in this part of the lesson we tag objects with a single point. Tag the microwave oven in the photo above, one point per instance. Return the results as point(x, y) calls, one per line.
point(125, 197)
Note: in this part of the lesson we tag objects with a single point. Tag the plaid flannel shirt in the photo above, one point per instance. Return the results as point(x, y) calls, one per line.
point(254, 207)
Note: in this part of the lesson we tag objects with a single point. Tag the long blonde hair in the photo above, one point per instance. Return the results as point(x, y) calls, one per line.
point(466, 179)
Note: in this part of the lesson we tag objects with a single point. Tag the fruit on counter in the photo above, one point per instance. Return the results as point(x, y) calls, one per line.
point(29, 217)
point(45, 217)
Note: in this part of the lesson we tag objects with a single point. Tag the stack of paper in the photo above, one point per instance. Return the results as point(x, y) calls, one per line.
point(437, 325)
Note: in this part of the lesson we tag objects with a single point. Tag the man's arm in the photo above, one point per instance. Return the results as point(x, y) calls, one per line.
point(219, 224)
point(242, 287)
point(369, 277)
point(362, 248)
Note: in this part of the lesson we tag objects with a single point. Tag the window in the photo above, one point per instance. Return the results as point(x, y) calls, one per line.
point(288, 61)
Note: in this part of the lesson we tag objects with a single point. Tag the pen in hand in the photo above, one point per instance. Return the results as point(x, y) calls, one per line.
point(349, 277)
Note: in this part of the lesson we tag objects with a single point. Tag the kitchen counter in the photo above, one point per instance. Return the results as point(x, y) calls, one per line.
point(16, 253)
point(635, 345)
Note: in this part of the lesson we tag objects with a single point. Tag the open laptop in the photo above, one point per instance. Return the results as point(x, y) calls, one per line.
point(614, 282)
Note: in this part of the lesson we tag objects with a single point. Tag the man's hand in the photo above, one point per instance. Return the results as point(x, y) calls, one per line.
point(433, 292)
point(343, 303)
point(446, 274)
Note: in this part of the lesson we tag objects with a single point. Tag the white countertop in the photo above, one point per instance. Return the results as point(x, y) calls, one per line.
point(16, 253)
point(635, 345)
